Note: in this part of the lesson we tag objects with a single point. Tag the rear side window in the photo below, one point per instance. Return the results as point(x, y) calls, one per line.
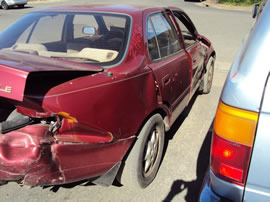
point(162, 38)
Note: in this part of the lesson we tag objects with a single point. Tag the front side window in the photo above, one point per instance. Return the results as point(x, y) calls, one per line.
point(161, 33)
point(96, 38)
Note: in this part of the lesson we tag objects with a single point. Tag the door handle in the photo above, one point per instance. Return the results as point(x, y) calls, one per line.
point(166, 80)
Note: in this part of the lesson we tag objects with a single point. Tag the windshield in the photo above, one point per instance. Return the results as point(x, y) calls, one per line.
point(96, 38)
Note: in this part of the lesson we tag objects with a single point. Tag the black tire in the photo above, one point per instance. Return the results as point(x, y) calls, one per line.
point(4, 5)
point(208, 77)
point(21, 6)
point(143, 162)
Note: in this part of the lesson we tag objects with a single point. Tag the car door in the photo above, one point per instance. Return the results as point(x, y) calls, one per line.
point(192, 45)
point(169, 62)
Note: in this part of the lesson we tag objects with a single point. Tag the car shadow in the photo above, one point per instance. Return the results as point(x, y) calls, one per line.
point(193, 187)
point(83, 183)
point(55, 188)
point(197, 1)
point(177, 124)
point(179, 121)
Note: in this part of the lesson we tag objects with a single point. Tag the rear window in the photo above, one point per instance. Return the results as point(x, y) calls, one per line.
point(96, 38)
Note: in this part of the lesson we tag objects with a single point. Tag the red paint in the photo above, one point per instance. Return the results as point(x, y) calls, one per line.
point(100, 110)
point(14, 80)
point(234, 75)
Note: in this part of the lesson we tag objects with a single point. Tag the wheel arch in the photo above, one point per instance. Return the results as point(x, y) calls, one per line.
point(124, 161)
point(211, 54)
point(159, 111)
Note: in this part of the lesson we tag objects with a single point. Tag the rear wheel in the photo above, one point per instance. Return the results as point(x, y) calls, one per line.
point(144, 159)
point(208, 77)
point(4, 5)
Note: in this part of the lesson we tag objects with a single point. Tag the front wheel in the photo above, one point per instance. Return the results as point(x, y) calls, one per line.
point(4, 5)
point(144, 159)
point(208, 77)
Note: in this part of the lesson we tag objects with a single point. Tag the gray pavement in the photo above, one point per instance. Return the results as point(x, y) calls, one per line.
point(188, 143)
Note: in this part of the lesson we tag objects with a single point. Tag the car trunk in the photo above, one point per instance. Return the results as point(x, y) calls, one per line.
point(23, 74)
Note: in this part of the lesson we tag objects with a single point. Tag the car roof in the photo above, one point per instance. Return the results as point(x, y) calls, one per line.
point(113, 8)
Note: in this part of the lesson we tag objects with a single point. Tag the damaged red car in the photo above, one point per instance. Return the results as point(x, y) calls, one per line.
point(88, 92)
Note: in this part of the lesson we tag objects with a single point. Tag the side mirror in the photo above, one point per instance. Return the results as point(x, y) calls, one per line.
point(89, 31)
point(255, 10)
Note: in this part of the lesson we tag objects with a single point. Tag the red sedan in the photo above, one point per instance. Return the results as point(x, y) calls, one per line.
point(87, 92)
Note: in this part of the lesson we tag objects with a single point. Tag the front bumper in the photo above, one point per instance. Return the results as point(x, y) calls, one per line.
point(33, 157)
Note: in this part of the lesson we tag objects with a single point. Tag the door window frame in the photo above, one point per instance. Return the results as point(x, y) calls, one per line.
point(173, 28)
point(191, 28)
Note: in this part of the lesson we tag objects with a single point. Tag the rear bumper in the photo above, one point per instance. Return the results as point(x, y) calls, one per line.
point(207, 194)
point(31, 156)
point(216, 189)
